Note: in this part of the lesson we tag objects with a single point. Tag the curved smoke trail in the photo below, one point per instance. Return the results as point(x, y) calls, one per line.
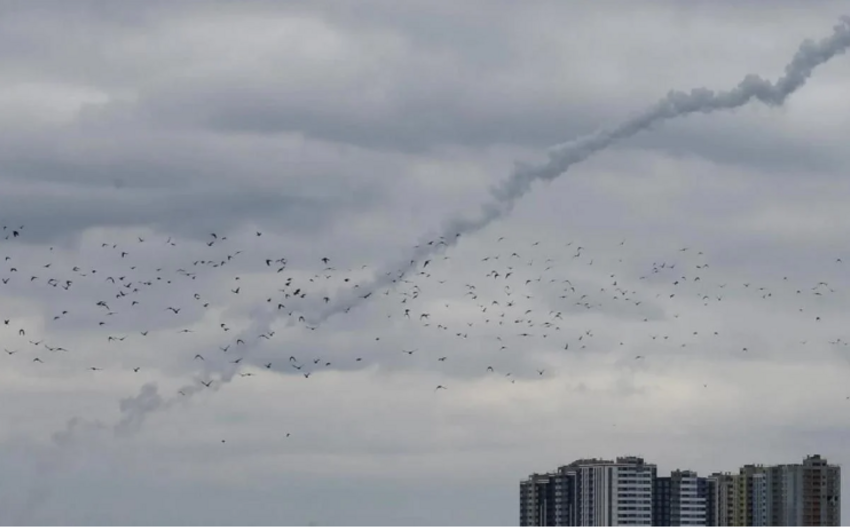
point(504, 196)
point(675, 104)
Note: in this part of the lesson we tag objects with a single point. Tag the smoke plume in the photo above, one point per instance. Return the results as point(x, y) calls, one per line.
point(561, 158)
point(675, 104)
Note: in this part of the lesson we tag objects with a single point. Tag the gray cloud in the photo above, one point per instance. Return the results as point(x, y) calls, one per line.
point(351, 133)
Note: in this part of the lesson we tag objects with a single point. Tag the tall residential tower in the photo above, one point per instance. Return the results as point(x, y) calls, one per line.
point(590, 492)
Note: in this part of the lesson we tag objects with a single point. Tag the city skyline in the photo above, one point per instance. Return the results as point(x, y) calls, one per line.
point(628, 491)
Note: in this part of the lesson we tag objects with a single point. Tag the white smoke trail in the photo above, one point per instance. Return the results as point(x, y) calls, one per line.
point(504, 196)
point(561, 158)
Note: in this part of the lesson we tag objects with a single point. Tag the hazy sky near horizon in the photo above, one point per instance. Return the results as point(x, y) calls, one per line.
point(704, 314)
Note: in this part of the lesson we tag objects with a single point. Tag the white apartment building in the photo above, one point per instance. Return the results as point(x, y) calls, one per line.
point(615, 493)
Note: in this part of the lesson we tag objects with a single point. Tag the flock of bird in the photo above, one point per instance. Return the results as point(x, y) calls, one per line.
point(530, 298)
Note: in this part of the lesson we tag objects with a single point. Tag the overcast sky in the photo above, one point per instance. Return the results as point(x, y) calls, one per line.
point(354, 131)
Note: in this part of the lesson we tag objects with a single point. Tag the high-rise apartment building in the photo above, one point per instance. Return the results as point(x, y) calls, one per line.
point(750, 506)
point(761, 500)
point(661, 501)
point(821, 492)
point(702, 492)
point(687, 506)
point(806, 494)
point(720, 499)
point(536, 501)
point(566, 496)
point(590, 492)
point(617, 493)
point(679, 500)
